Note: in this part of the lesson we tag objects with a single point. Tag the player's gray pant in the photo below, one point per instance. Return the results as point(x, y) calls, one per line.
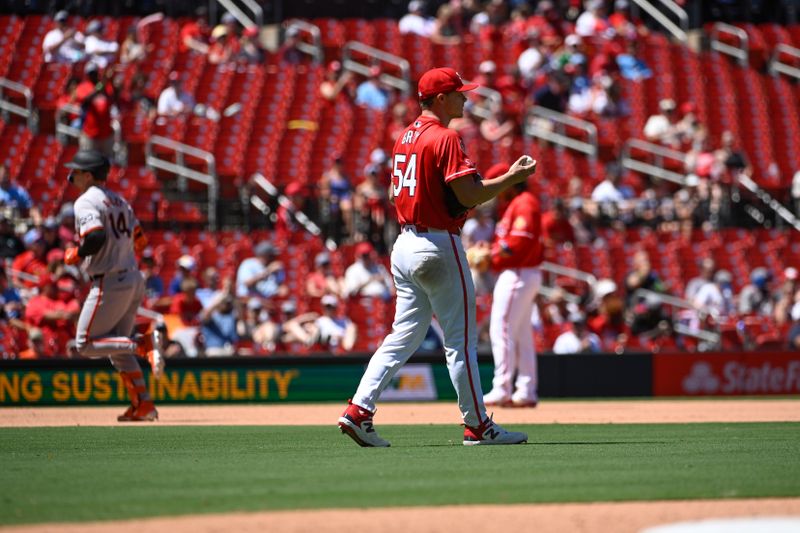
point(108, 316)
point(432, 277)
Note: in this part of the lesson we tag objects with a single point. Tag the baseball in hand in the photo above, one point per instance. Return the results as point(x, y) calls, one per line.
point(526, 160)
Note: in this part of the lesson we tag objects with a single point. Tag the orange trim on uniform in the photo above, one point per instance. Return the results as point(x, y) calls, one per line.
point(466, 331)
point(90, 230)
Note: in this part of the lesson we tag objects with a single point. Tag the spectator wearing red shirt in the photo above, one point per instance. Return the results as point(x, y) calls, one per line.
point(194, 34)
point(96, 99)
point(186, 305)
point(56, 317)
point(556, 227)
point(33, 261)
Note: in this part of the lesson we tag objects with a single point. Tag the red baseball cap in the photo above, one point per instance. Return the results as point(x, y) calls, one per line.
point(363, 248)
point(442, 80)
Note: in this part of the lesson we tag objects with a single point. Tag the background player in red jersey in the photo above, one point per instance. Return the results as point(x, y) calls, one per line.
point(434, 184)
point(516, 253)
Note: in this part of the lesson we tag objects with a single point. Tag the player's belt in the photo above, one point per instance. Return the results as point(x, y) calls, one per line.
point(416, 228)
point(101, 276)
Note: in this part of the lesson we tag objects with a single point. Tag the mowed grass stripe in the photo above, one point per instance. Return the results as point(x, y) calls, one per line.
point(98, 473)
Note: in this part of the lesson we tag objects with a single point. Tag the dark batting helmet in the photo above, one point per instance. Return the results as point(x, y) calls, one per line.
point(90, 161)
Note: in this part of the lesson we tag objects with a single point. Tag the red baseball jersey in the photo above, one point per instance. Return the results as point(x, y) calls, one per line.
point(426, 157)
point(518, 241)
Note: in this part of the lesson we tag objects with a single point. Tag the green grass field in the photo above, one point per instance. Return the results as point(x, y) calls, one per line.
point(96, 473)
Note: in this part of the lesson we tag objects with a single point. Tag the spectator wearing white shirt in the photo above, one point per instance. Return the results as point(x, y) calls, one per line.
point(531, 60)
point(716, 296)
point(480, 226)
point(663, 127)
point(174, 101)
point(63, 44)
point(98, 50)
point(415, 21)
point(334, 332)
point(607, 191)
point(367, 277)
point(593, 21)
point(577, 339)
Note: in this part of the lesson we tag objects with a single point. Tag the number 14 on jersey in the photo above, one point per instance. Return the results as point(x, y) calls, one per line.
point(406, 174)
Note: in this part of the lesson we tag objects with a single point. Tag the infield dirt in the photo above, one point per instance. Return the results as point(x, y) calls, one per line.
point(541, 518)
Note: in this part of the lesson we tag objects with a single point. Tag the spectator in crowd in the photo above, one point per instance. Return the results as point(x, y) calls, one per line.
point(229, 23)
point(272, 332)
point(11, 245)
point(322, 280)
point(96, 97)
point(366, 276)
point(223, 46)
point(336, 81)
point(153, 284)
point(631, 66)
point(136, 100)
point(289, 214)
point(785, 298)
point(173, 100)
point(210, 287)
point(498, 127)
point(62, 44)
point(334, 332)
point(445, 28)
point(11, 306)
point(37, 347)
point(371, 204)
point(608, 190)
point(218, 325)
point(14, 195)
point(707, 268)
point(415, 20)
point(663, 127)
point(548, 22)
point(716, 295)
point(98, 50)
point(642, 275)
point(194, 34)
point(578, 338)
point(50, 235)
point(262, 276)
point(556, 308)
point(793, 338)
point(755, 298)
point(185, 303)
point(289, 53)
point(555, 94)
point(556, 226)
point(689, 127)
point(487, 74)
point(69, 98)
point(608, 318)
point(66, 221)
point(32, 262)
point(371, 93)
point(397, 123)
point(339, 194)
point(186, 265)
point(253, 317)
point(250, 50)
point(730, 156)
point(593, 21)
point(54, 316)
point(533, 58)
point(479, 261)
point(479, 227)
point(133, 50)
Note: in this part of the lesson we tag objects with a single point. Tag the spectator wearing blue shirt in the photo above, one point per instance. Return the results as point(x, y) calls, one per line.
point(370, 93)
point(261, 276)
point(631, 67)
point(186, 265)
point(12, 194)
point(218, 325)
point(153, 284)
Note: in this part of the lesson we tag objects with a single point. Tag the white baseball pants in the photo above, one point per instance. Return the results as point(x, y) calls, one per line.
point(432, 277)
point(511, 333)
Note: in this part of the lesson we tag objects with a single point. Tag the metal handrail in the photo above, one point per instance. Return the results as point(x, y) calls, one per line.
point(573, 273)
point(680, 30)
point(494, 98)
point(402, 82)
point(656, 168)
point(271, 190)
point(710, 336)
point(314, 48)
point(28, 112)
point(741, 53)
point(768, 200)
point(244, 20)
point(559, 136)
point(64, 130)
point(209, 179)
point(776, 66)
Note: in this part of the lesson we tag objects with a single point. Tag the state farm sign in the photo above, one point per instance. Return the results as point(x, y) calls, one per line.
point(722, 374)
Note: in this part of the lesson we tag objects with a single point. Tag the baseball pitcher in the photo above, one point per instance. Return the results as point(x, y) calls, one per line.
point(434, 184)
